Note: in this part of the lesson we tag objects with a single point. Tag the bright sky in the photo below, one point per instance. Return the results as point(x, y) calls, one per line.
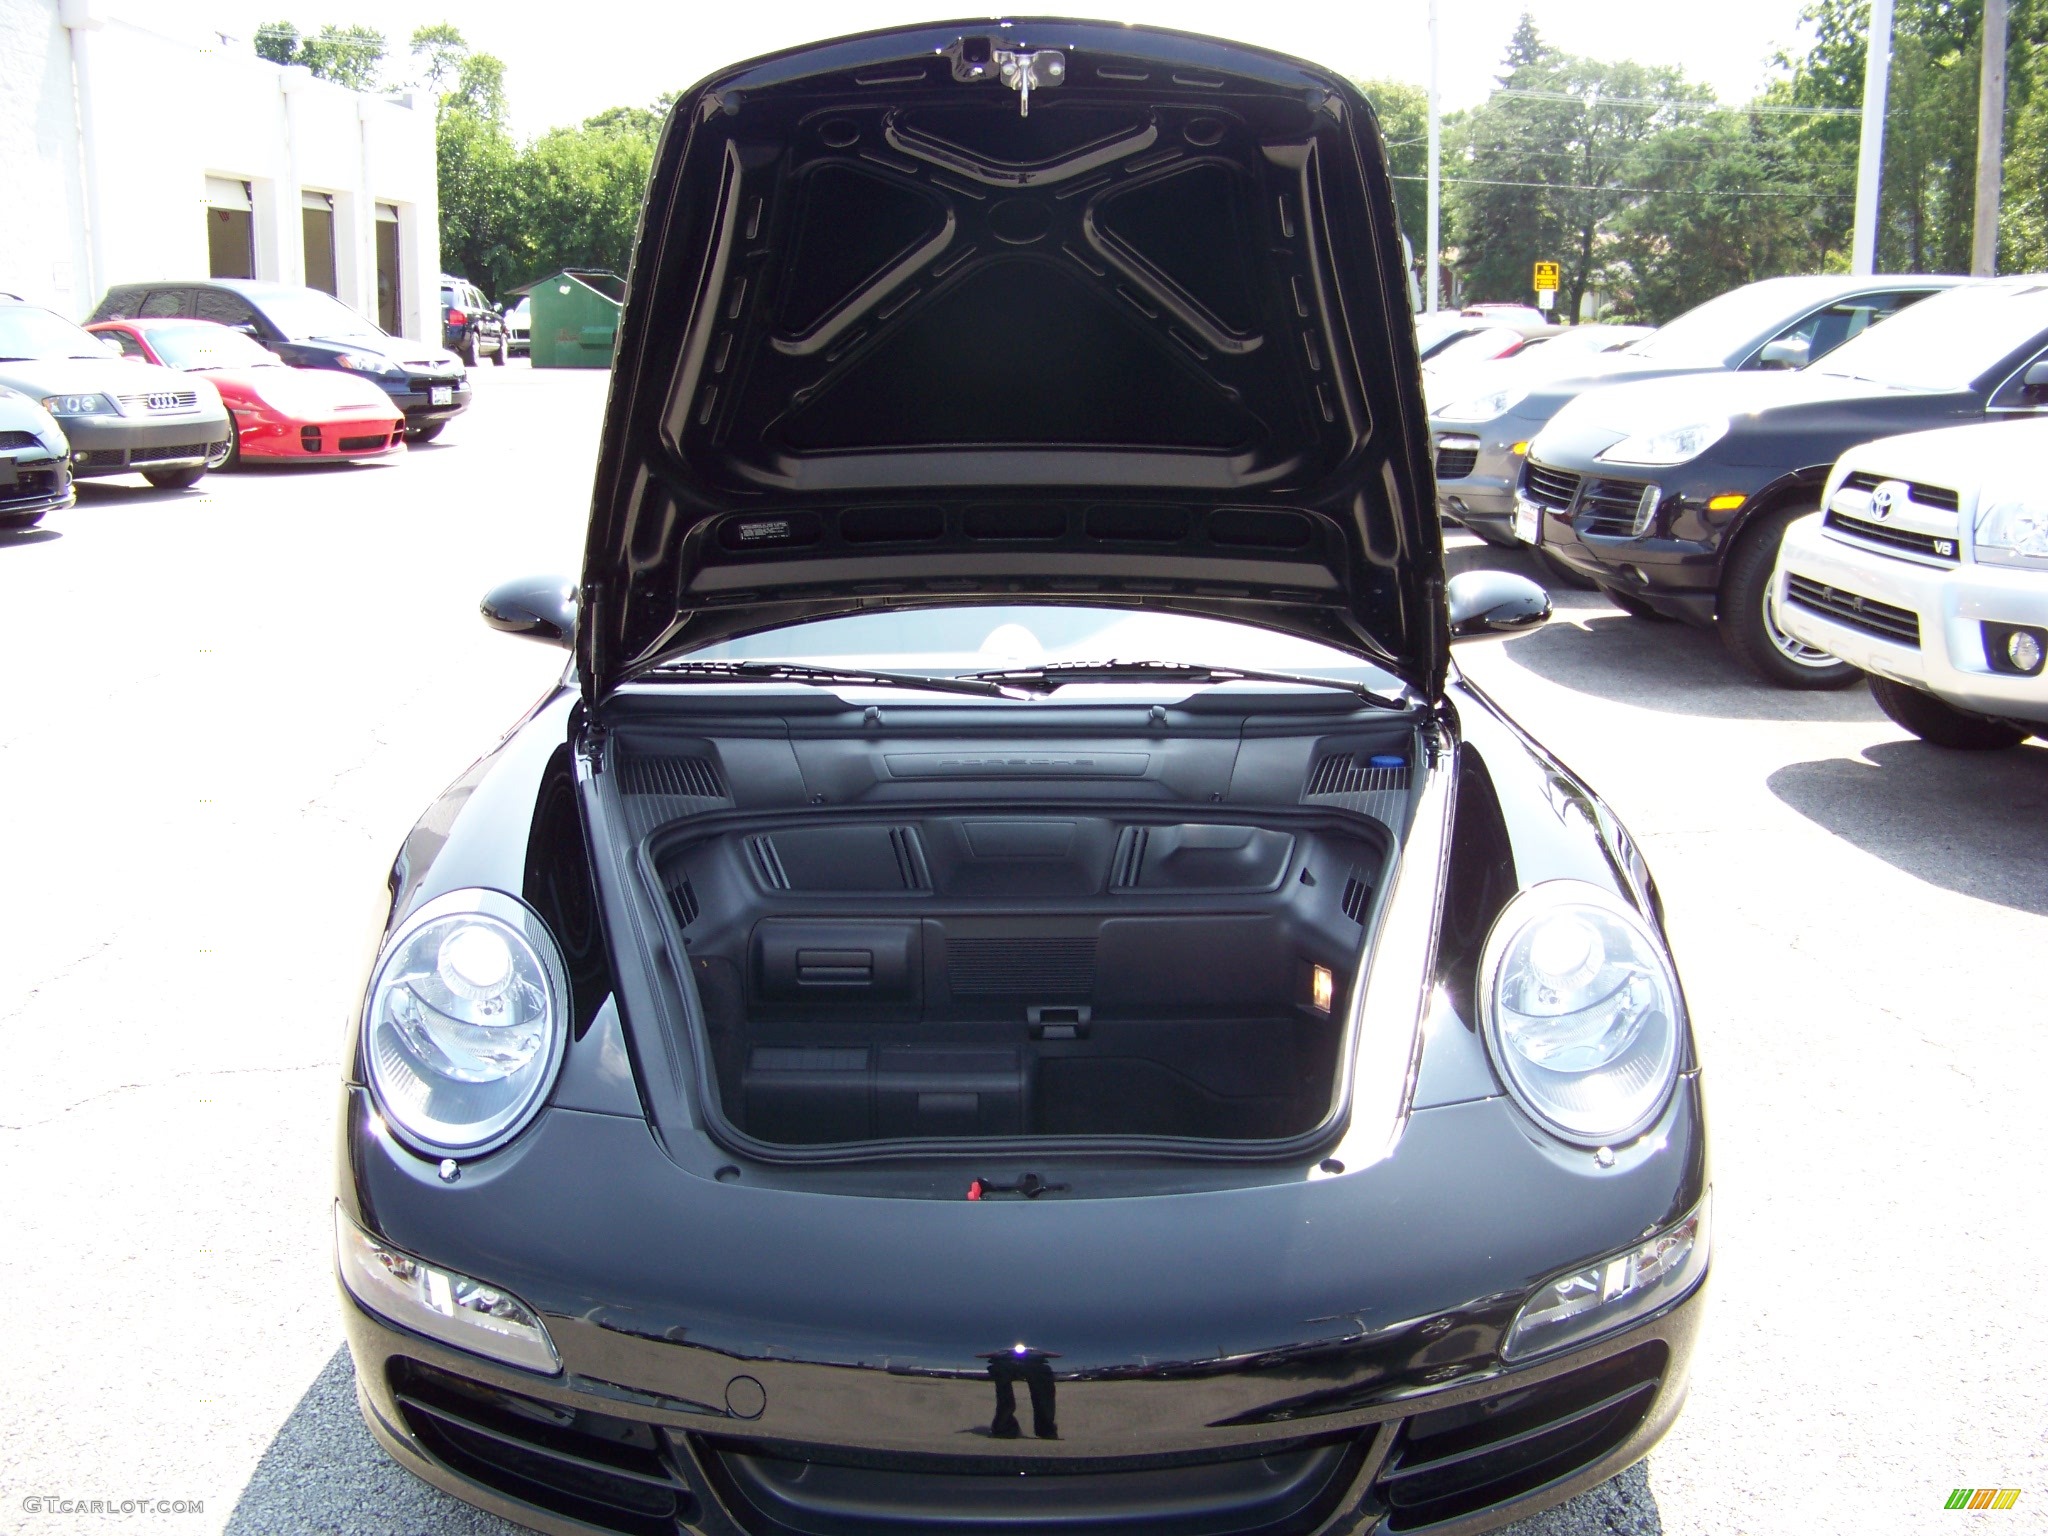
point(564, 62)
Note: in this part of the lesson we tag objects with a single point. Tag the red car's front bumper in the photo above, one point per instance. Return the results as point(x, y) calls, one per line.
point(322, 441)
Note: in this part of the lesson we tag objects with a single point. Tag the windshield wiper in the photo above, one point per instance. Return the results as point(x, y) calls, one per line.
point(794, 672)
point(1056, 675)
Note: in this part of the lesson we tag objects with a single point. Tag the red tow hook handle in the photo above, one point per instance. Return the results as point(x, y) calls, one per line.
point(1030, 1186)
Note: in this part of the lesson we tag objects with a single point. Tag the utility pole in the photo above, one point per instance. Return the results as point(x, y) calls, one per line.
point(1436, 191)
point(1990, 142)
point(1877, 71)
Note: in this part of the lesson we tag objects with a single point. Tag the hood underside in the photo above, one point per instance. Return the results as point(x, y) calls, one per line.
point(903, 332)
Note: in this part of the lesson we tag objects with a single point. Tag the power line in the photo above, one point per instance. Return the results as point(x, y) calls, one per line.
point(1661, 102)
point(1574, 186)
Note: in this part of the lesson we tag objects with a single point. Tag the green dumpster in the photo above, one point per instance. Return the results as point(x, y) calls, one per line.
point(575, 319)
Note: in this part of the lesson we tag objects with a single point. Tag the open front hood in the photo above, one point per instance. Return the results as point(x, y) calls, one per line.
point(903, 332)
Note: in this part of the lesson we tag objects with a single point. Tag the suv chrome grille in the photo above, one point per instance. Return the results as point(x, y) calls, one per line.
point(1928, 545)
point(1927, 495)
point(1887, 622)
point(1552, 488)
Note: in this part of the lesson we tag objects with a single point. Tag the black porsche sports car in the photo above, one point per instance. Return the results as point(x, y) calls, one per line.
point(1012, 985)
point(1673, 495)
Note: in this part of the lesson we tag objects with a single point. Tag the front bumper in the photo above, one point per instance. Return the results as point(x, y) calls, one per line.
point(1951, 604)
point(321, 442)
point(414, 397)
point(718, 1338)
point(1479, 490)
point(32, 484)
point(117, 445)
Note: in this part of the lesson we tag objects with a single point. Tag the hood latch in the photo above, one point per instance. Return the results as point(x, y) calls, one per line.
point(1024, 72)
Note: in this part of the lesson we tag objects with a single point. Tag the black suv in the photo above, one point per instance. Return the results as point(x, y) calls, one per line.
point(311, 329)
point(471, 326)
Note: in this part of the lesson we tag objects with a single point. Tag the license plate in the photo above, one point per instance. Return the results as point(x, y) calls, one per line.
point(1528, 521)
point(443, 394)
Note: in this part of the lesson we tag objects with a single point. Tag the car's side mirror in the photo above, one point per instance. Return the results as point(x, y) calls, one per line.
point(1785, 352)
point(1493, 602)
point(112, 345)
point(538, 607)
point(2035, 377)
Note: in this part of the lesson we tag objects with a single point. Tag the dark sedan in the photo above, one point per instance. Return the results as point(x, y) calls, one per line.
point(869, 1052)
point(311, 329)
point(1673, 495)
point(1481, 433)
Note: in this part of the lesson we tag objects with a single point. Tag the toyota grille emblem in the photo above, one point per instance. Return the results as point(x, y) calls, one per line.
point(1885, 497)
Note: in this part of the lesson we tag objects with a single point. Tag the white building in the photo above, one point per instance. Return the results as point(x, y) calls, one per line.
point(129, 155)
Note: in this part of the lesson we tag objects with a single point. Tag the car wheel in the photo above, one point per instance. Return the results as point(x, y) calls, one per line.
point(1942, 724)
point(425, 434)
point(1565, 574)
point(498, 353)
point(1632, 605)
point(228, 454)
point(1749, 617)
point(13, 520)
point(174, 479)
point(468, 352)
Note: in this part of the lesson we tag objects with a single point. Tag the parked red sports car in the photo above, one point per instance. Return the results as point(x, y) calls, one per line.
point(306, 415)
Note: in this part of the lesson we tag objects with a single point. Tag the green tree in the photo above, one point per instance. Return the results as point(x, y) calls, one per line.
point(1717, 204)
point(438, 51)
point(352, 56)
point(580, 192)
point(1544, 165)
point(1403, 111)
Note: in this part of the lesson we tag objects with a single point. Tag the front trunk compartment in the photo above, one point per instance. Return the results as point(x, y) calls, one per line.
point(944, 973)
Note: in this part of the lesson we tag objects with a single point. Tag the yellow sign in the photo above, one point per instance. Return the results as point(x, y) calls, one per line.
point(1546, 277)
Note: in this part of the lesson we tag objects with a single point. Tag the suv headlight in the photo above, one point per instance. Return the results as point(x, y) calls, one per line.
point(1483, 407)
point(2012, 531)
point(80, 405)
point(1668, 445)
point(1581, 1011)
point(463, 1028)
point(370, 363)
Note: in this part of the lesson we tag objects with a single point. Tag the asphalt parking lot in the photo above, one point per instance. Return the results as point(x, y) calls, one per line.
point(223, 707)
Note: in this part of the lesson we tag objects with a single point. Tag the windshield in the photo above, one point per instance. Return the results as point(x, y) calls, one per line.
point(202, 344)
point(1705, 336)
point(27, 333)
point(306, 314)
point(985, 638)
point(1948, 341)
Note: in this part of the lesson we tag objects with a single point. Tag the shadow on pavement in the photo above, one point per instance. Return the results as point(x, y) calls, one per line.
point(1592, 647)
point(120, 493)
point(13, 537)
point(324, 1473)
point(1971, 822)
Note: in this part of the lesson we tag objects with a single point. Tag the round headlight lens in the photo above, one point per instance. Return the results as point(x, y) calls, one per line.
point(1581, 1011)
point(463, 1028)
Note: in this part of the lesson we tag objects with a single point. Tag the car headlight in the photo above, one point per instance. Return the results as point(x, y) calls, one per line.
point(1668, 445)
point(463, 1028)
point(1581, 1011)
point(1600, 1297)
point(2012, 531)
point(1483, 407)
point(439, 1303)
point(80, 405)
point(369, 362)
